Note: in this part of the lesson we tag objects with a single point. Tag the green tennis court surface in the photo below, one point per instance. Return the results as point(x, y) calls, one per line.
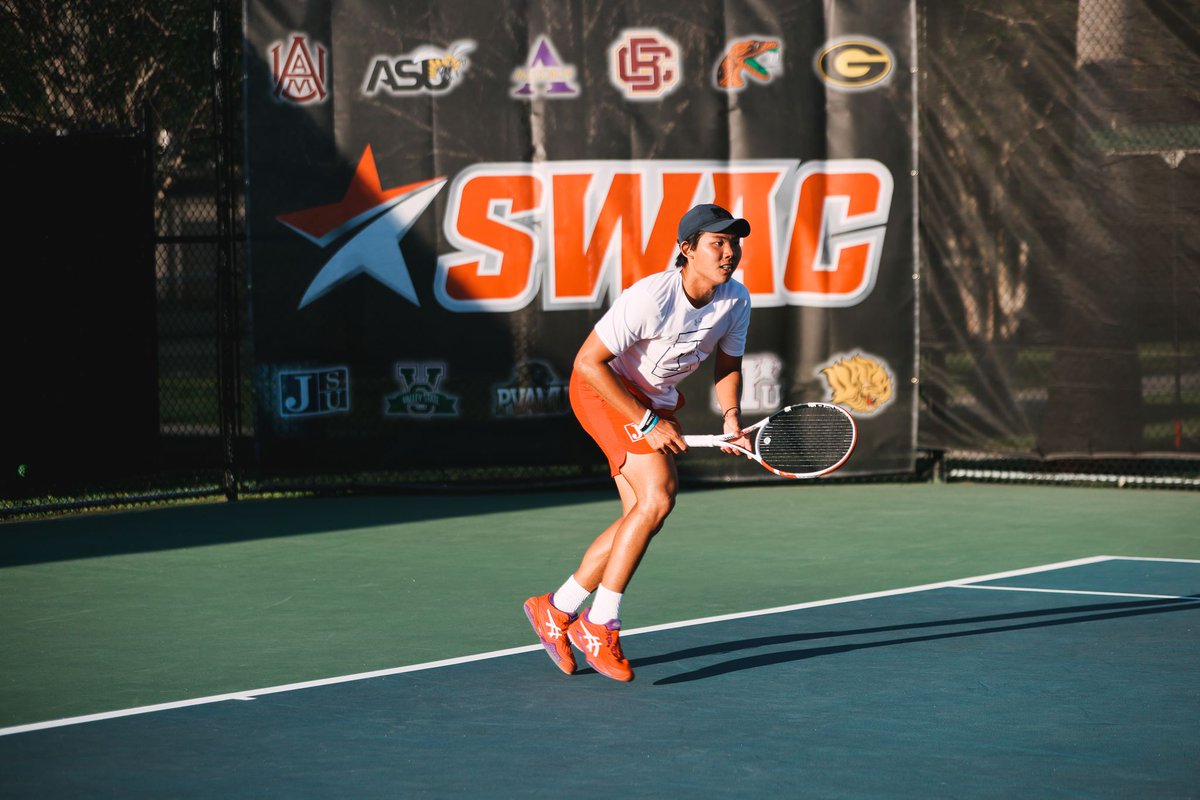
point(1069, 675)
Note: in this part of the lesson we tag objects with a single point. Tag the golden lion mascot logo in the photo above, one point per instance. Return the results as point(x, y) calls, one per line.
point(861, 384)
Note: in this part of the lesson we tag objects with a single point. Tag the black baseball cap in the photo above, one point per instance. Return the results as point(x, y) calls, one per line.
point(711, 218)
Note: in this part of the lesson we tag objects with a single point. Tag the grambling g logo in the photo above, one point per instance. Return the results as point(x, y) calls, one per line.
point(854, 63)
point(420, 392)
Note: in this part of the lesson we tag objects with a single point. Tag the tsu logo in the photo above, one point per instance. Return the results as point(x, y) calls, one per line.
point(644, 64)
point(748, 58)
point(420, 392)
point(312, 393)
point(534, 390)
point(426, 70)
point(300, 71)
point(544, 74)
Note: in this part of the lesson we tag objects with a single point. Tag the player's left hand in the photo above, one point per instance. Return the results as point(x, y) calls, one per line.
point(734, 426)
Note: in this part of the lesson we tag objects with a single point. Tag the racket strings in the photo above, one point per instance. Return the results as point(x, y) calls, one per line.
point(806, 439)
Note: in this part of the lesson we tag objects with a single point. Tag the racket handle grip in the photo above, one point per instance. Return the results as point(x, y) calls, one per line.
point(704, 441)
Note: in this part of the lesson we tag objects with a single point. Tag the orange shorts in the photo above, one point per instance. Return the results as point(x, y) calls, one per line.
point(607, 425)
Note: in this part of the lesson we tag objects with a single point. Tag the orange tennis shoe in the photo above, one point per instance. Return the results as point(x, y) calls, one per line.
point(550, 625)
point(601, 645)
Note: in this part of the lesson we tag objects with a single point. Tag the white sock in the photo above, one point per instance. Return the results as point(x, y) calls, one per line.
point(570, 596)
point(606, 606)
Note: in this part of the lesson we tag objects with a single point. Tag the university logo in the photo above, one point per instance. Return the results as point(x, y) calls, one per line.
point(762, 391)
point(367, 224)
point(299, 71)
point(420, 392)
point(426, 70)
point(757, 59)
point(644, 64)
point(861, 383)
point(312, 393)
point(544, 74)
point(854, 64)
point(534, 390)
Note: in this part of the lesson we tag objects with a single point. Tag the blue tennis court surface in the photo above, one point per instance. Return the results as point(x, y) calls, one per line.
point(1065, 681)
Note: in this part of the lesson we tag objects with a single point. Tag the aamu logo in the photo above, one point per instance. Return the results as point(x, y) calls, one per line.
point(576, 233)
point(299, 70)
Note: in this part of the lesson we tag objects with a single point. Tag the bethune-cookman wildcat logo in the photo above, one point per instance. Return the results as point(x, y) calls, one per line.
point(757, 58)
point(644, 64)
point(299, 71)
point(420, 392)
point(854, 63)
point(579, 232)
point(313, 392)
point(862, 384)
point(534, 390)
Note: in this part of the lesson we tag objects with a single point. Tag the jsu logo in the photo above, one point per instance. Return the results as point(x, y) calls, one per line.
point(426, 70)
point(299, 70)
point(420, 392)
point(311, 393)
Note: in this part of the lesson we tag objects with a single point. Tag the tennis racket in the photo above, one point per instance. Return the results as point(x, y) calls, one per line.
point(801, 441)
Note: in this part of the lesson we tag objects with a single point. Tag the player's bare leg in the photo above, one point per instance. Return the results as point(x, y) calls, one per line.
point(654, 482)
point(591, 566)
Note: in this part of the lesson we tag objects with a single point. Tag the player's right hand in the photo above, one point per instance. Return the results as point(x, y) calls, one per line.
point(667, 437)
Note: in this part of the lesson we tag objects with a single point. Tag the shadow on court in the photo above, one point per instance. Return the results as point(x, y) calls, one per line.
point(1075, 615)
point(94, 535)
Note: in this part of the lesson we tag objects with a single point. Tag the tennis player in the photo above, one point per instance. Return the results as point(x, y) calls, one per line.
point(623, 392)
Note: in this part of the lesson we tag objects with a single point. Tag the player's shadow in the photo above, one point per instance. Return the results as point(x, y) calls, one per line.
point(1074, 615)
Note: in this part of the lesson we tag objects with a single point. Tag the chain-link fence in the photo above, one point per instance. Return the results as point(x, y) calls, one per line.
point(166, 75)
point(1060, 152)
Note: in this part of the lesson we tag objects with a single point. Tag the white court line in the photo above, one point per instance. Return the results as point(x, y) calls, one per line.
point(250, 694)
point(1144, 558)
point(1081, 591)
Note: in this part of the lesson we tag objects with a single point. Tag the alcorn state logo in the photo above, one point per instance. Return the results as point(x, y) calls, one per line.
point(578, 232)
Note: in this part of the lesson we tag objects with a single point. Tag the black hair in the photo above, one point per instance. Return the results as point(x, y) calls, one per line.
point(692, 241)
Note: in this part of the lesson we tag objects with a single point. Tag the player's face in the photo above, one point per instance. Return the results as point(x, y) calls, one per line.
point(716, 256)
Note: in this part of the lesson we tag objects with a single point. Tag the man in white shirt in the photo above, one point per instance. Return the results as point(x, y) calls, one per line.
point(623, 391)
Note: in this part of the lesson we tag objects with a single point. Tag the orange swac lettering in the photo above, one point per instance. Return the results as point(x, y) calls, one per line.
point(505, 272)
point(581, 269)
point(755, 191)
point(836, 226)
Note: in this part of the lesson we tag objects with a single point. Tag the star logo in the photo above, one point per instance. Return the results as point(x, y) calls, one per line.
point(370, 221)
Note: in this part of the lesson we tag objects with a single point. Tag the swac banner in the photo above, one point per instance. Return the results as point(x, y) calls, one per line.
point(443, 198)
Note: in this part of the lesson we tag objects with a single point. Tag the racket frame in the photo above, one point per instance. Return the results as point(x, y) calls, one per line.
point(725, 440)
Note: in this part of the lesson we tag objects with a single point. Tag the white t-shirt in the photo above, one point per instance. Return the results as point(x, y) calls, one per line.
point(660, 338)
